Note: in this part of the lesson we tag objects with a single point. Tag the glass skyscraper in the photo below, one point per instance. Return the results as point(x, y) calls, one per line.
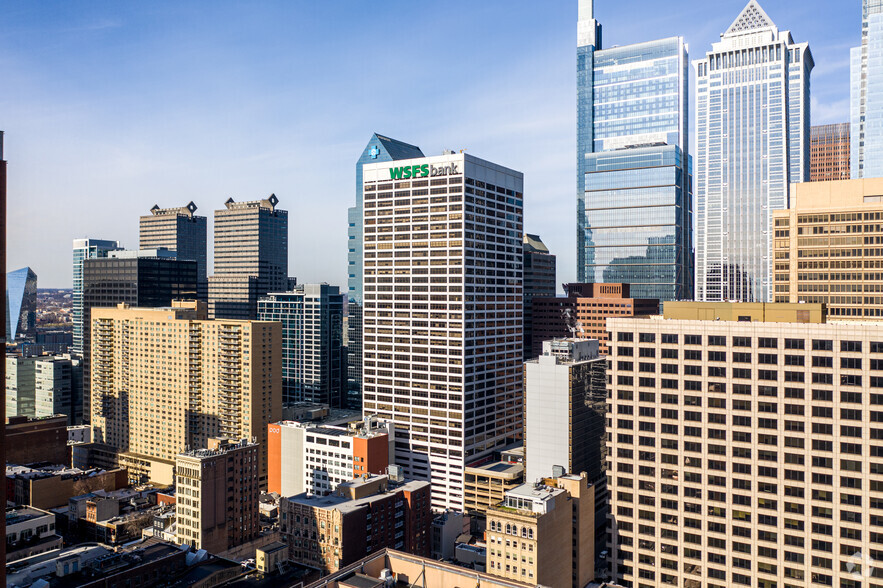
point(866, 95)
point(380, 149)
point(85, 249)
point(634, 183)
point(21, 304)
point(312, 339)
point(753, 141)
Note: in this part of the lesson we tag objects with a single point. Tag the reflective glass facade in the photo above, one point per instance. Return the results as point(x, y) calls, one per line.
point(21, 304)
point(312, 361)
point(866, 95)
point(379, 149)
point(635, 209)
point(753, 140)
point(84, 249)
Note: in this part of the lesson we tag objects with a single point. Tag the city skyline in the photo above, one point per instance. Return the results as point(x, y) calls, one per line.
point(186, 74)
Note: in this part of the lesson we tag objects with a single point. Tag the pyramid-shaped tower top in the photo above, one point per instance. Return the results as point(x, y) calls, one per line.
point(752, 18)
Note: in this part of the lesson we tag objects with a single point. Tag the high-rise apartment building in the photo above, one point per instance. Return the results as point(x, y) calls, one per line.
point(145, 278)
point(747, 456)
point(829, 153)
point(583, 313)
point(634, 188)
point(315, 459)
point(251, 257)
point(827, 247)
point(379, 149)
point(361, 517)
point(543, 533)
point(166, 379)
point(217, 495)
point(84, 249)
point(539, 280)
point(866, 95)
point(443, 312)
point(21, 304)
point(753, 141)
point(181, 231)
point(312, 342)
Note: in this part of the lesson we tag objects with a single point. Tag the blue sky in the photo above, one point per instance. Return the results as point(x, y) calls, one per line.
point(112, 107)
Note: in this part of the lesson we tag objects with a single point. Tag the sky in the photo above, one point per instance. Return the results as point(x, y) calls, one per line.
point(112, 107)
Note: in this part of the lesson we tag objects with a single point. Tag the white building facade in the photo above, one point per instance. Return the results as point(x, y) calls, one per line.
point(752, 115)
point(442, 329)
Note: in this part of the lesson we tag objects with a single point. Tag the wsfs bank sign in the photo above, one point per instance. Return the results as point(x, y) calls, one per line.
point(422, 171)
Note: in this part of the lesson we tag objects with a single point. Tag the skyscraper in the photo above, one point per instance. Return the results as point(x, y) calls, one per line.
point(144, 278)
point(251, 257)
point(181, 231)
point(85, 249)
point(21, 304)
point(312, 339)
point(378, 150)
point(829, 152)
point(866, 95)
point(539, 280)
point(166, 379)
point(443, 312)
point(753, 141)
point(634, 189)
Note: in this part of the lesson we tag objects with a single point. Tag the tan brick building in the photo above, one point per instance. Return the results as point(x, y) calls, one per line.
point(745, 452)
point(828, 247)
point(166, 379)
point(544, 533)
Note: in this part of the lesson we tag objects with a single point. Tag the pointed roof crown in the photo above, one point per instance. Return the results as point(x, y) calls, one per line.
point(752, 18)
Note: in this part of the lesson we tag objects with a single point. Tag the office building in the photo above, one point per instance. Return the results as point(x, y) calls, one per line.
point(166, 379)
point(825, 247)
point(486, 484)
point(866, 95)
point(583, 313)
point(34, 440)
point(20, 391)
point(146, 278)
point(21, 304)
point(379, 149)
point(753, 141)
point(829, 153)
point(216, 498)
point(565, 392)
point(443, 312)
point(538, 280)
point(753, 458)
point(386, 565)
point(31, 531)
point(84, 249)
point(315, 459)
point(543, 533)
point(634, 190)
point(58, 387)
point(361, 517)
point(3, 277)
point(181, 231)
point(312, 342)
point(251, 257)
point(43, 386)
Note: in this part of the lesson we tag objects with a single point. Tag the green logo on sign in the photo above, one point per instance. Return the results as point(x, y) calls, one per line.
point(409, 171)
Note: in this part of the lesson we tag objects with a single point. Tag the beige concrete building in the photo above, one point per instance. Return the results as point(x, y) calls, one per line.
point(166, 379)
point(544, 533)
point(487, 484)
point(745, 453)
point(828, 247)
point(216, 506)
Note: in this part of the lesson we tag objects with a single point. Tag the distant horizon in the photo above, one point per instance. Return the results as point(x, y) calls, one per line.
point(111, 108)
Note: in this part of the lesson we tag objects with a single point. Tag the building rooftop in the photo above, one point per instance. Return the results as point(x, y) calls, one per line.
point(204, 453)
point(345, 504)
point(503, 469)
point(22, 514)
point(768, 312)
